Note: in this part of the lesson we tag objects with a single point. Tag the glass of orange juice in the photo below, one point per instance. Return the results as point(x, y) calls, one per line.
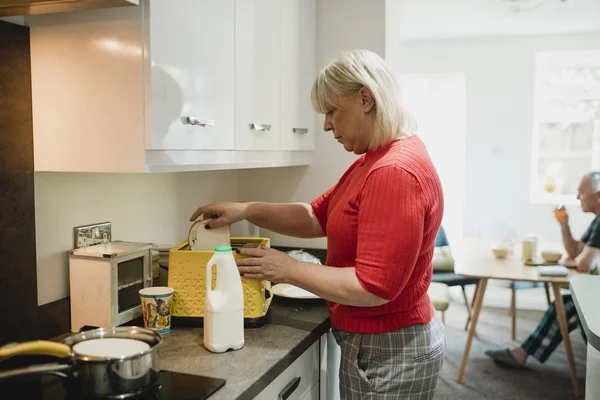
point(560, 213)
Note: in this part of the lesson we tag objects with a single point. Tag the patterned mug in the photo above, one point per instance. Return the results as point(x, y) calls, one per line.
point(156, 307)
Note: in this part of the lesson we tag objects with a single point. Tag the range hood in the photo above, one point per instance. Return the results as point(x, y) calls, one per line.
point(30, 7)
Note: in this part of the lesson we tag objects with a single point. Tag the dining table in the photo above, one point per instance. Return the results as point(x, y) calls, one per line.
point(474, 258)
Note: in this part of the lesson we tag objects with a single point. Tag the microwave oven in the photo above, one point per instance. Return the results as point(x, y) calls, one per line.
point(105, 280)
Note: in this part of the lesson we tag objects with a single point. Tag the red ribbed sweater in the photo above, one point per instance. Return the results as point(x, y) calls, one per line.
point(382, 218)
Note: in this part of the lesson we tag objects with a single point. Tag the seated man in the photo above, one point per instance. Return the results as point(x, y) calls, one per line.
point(546, 337)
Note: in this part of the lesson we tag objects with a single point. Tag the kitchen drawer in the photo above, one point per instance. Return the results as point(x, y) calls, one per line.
point(313, 393)
point(305, 367)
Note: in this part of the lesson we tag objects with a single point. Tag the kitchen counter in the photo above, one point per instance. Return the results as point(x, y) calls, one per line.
point(292, 327)
point(584, 289)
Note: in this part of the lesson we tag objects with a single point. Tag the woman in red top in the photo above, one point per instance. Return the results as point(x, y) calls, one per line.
point(381, 220)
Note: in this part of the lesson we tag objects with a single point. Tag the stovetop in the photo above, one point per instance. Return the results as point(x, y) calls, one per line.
point(170, 386)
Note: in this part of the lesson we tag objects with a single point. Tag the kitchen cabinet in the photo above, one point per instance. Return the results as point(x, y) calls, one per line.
point(298, 380)
point(257, 74)
point(163, 88)
point(23, 7)
point(274, 74)
point(191, 74)
point(313, 394)
point(298, 62)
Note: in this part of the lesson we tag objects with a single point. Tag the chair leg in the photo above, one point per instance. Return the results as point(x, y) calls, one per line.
point(474, 295)
point(512, 298)
point(467, 306)
point(477, 289)
point(513, 313)
point(547, 288)
point(472, 303)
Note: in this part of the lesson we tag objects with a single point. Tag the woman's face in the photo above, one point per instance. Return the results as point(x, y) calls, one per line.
point(350, 121)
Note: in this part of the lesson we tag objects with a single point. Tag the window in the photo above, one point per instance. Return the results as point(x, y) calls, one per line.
point(566, 132)
point(438, 103)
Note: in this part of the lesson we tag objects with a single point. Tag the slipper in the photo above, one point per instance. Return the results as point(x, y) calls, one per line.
point(504, 357)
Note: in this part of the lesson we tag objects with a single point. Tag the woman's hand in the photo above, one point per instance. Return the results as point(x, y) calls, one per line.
point(266, 264)
point(221, 214)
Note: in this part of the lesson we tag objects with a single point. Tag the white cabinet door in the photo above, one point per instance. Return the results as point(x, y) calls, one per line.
point(313, 394)
point(191, 74)
point(297, 380)
point(298, 63)
point(257, 74)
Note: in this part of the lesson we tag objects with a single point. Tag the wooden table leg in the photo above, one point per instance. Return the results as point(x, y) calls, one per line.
point(513, 312)
point(476, 310)
point(564, 330)
point(547, 289)
point(470, 311)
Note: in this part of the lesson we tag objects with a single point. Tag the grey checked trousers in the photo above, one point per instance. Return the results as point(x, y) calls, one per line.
point(401, 364)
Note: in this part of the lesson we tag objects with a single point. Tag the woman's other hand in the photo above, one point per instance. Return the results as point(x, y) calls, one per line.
point(265, 263)
point(221, 213)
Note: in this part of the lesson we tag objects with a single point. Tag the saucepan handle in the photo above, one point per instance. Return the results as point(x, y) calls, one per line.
point(61, 370)
point(38, 348)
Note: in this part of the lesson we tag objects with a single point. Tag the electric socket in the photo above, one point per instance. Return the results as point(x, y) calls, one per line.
point(88, 235)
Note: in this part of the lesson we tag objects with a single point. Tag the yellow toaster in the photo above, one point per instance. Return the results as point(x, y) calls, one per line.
point(187, 275)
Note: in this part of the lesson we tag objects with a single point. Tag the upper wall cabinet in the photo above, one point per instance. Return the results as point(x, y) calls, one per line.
point(32, 7)
point(191, 74)
point(298, 61)
point(257, 74)
point(199, 85)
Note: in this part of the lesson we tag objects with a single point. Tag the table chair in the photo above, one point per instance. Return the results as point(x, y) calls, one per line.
point(443, 269)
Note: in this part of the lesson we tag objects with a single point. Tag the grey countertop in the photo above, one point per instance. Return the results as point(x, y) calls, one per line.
point(292, 327)
point(586, 291)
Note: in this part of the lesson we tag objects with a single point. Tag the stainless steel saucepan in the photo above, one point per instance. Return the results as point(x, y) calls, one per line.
point(102, 362)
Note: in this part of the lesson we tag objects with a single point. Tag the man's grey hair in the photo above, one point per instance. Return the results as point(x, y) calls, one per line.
point(595, 181)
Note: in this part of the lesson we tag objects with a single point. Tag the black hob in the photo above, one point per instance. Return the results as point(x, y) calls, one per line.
point(169, 386)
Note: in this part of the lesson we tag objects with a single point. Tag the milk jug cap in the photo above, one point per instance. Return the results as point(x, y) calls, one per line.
point(222, 249)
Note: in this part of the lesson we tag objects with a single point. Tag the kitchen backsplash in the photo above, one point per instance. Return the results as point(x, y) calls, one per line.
point(154, 208)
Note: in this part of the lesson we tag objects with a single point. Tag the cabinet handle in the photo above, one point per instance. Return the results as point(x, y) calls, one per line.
point(199, 122)
point(260, 127)
point(289, 389)
point(302, 131)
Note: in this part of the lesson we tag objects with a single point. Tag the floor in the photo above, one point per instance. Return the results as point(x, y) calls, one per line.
point(486, 380)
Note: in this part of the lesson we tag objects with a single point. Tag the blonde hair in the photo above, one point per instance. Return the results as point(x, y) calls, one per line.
point(346, 75)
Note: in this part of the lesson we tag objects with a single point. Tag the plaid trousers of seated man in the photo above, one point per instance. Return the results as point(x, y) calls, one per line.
point(546, 337)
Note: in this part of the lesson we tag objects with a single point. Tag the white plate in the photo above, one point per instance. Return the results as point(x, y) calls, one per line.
point(292, 292)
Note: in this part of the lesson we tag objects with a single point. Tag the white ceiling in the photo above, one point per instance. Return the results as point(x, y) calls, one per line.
point(428, 19)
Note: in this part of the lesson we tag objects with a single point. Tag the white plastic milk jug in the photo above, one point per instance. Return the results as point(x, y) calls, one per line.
point(224, 306)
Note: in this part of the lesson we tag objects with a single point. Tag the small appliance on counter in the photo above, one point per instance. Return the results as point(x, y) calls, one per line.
point(105, 280)
point(169, 386)
point(163, 264)
point(109, 377)
point(187, 275)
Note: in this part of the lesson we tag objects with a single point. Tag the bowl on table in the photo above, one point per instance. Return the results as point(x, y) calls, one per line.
point(551, 255)
point(501, 251)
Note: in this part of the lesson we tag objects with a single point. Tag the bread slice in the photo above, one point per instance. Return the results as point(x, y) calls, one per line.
point(200, 238)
